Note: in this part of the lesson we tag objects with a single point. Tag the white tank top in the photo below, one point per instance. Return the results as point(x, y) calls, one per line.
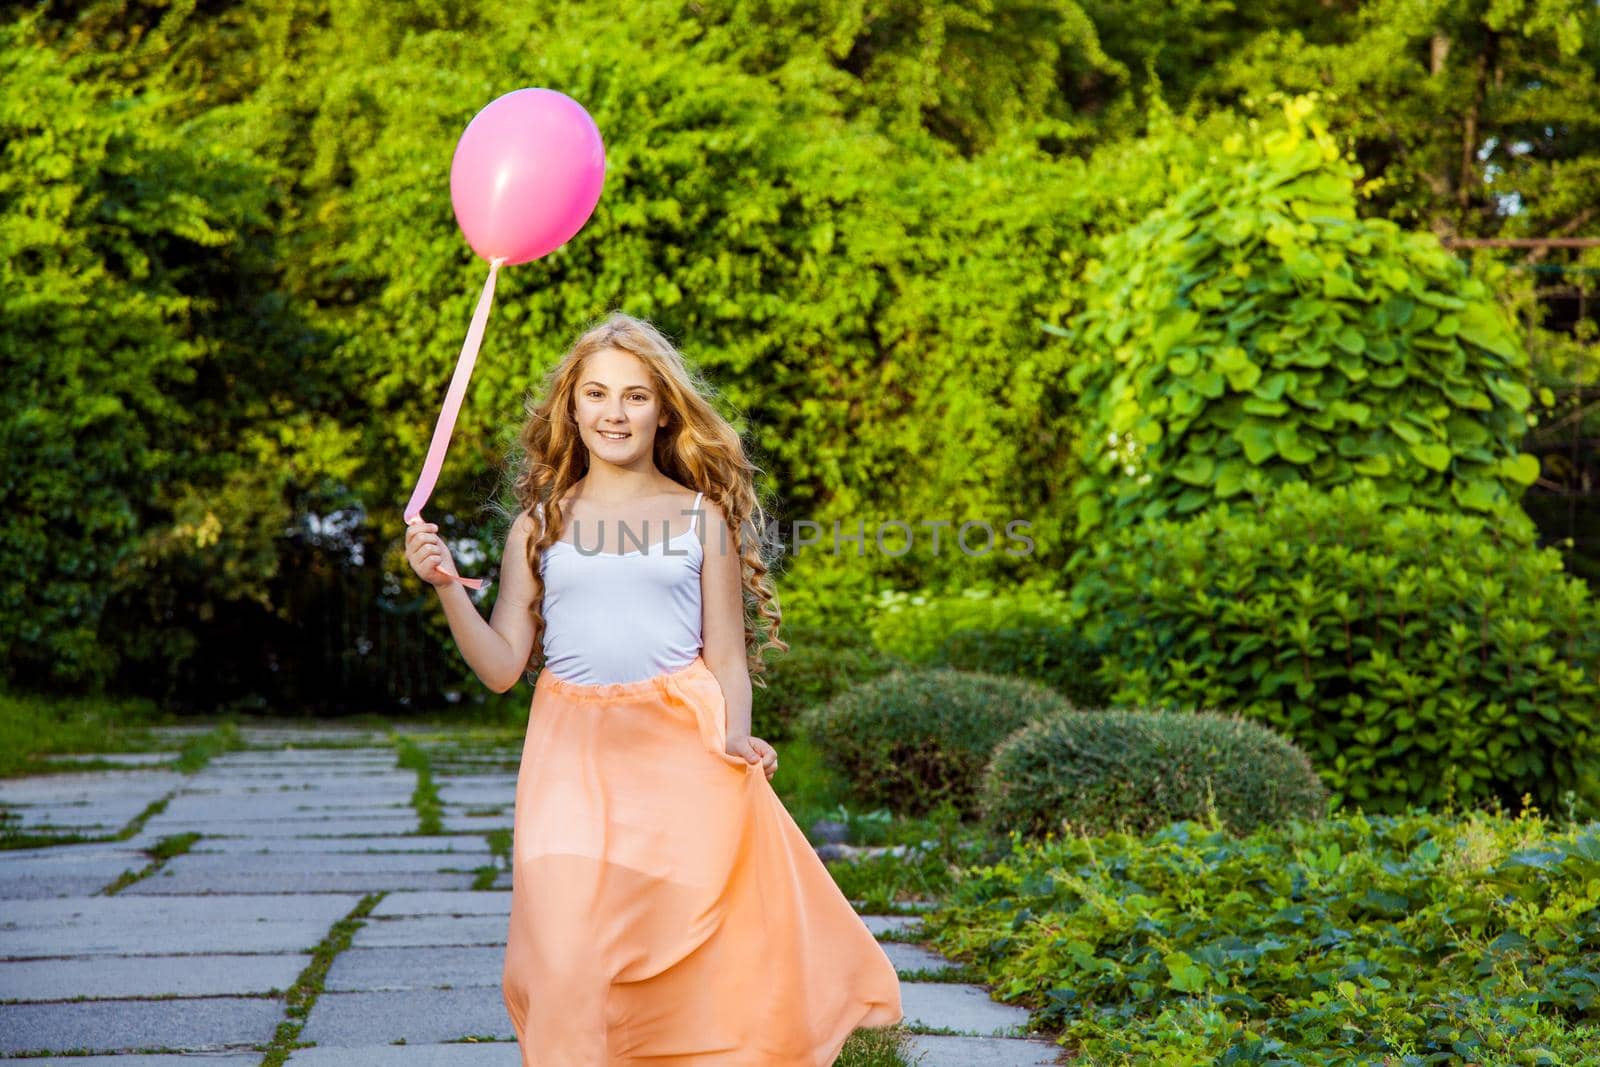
point(622, 618)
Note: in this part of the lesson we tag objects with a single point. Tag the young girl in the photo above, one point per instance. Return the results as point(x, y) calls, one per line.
point(665, 908)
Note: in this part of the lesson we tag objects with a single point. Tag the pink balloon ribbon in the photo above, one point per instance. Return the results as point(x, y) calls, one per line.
point(446, 423)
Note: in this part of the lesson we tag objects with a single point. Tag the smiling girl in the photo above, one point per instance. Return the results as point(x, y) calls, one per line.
point(665, 907)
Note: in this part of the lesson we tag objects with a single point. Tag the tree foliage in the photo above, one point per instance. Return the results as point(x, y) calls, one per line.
point(1256, 325)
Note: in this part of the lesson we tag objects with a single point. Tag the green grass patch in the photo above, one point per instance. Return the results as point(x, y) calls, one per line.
point(34, 727)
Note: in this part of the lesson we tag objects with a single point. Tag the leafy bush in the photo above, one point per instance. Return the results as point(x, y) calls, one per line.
point(1414, 939)
point(1411, 653)
point(1137, 771)
point(913, 738)
point(1257, 324)
point(914, 625)
point(1044, 652)
point(819, 664)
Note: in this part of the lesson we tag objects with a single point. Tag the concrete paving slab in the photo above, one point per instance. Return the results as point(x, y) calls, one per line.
point(294, 771)
point(914, 957)
point(133, 788)
point(132, 759)
point(424, 930)
point(250, 1059)
point(194, 864)
point(471, 845)
point(192, 1023)
point(363, 827)
point(435, 1016)
point(134, 926)
point(65, 870)
point(471, 902)
point(90, 801)
point(370, 970)
point(200, 883)
point(475, 824)
point(945, 1051)
point(964, 1008)
point(469, 1054)
point(478, 789)
point(879, 924)
point(201, 811)
point(100, 977)
point(286, 749)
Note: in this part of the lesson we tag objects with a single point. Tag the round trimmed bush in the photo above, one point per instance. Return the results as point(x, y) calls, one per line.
point(1135, 771)
point(1043, 651)
point(914, 738)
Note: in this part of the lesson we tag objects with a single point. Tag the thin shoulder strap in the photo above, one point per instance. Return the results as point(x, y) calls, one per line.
point(694, 520)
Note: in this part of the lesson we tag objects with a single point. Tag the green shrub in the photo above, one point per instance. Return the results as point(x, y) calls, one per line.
point(1136, 771)
point(819, 664)
point(913, 738)
point(914, 625)
point(1044, 652)
point(1414, 939)
point(1256, 323)
point(1410, 653)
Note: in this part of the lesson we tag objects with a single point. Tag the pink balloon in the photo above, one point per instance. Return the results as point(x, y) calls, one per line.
point(526, 174)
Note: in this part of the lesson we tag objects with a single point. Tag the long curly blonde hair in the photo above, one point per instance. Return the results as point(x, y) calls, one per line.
point(697, 448)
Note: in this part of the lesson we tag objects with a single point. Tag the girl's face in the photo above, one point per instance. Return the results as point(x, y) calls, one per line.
point(616, 395)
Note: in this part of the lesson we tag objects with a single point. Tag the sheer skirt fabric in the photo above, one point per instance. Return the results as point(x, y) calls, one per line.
point(665, 907)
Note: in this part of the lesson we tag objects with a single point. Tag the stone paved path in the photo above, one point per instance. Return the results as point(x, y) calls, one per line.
point(193, 960)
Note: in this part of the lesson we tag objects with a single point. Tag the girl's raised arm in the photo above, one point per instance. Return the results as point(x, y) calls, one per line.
point(497, 650)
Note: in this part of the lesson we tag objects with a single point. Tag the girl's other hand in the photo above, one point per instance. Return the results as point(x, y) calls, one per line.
point(751, 749)
point(428, 554)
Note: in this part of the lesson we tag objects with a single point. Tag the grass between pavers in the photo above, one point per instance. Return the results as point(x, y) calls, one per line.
point(195, 754)
point(302, 996)
point(425, 798)
point(162, 851)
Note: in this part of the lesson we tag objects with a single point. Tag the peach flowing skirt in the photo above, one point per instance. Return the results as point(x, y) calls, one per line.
point(665, 907)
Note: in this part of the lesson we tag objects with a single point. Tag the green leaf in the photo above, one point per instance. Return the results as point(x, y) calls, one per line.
point(1514, 393)
point(1186, 977)
point(1481, 325)
point(1522, 468)
point(1256, 440)
point(1479, 495)
point(1349, 338)
point(1433, 456)
point(1194, 469)
point(1230, 478)
point(1376, 466)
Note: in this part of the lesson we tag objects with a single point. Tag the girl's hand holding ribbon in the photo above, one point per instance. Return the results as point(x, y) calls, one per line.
point(428, 555)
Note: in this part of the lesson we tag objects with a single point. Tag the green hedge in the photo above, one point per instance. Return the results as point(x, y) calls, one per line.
point(1136, 771)
point(1414, 939)
point(913, 738)
point(1413, 654)
point(915, 624)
